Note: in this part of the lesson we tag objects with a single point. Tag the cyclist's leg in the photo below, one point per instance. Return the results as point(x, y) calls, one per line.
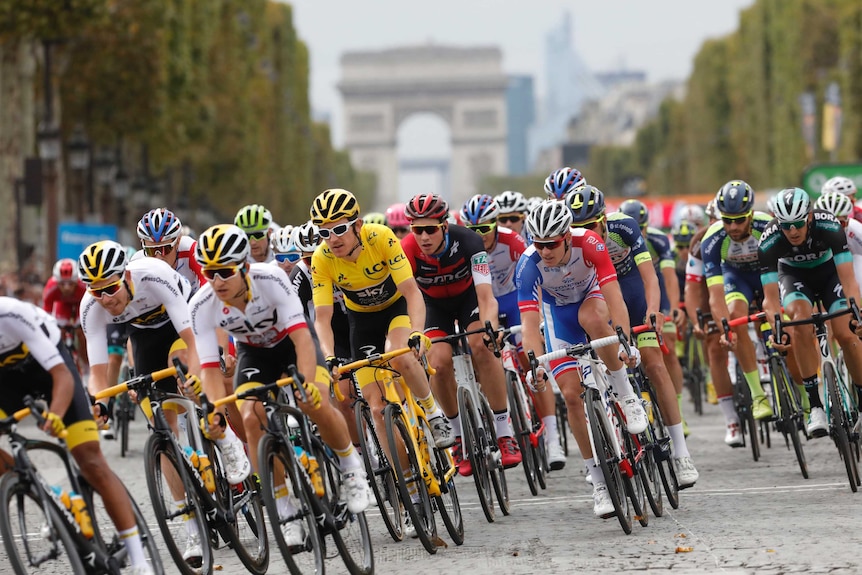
point(797, 299)
point(832, 295)
point(739, 290)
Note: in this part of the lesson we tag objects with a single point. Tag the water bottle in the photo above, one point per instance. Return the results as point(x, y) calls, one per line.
point(206, 470)
point(75, 503)
point(309, 462)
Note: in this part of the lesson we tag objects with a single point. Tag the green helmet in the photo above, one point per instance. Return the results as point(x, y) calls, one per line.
point(253, 218)
point(374, 218)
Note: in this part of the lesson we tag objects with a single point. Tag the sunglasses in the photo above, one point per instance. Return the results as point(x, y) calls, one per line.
point(509, 219)
point(292, 257)
point(400, 230)
point(548, 245)
point(483, 229)
point(682, 246)
point(430, 230)
point(67, 283)
point(590, 225)
point(338, 230)
point(223, 273)
point(158, 249)
point(793, 225)
point(110, 289)
point(258, 235)
point(735, 219)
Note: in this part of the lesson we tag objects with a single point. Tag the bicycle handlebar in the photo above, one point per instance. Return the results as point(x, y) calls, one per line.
point(37, 408)
point(651, 326)
point(577, 350)
point(140, 381)
point(260, 390)
point(377, 359)
point(747, 319)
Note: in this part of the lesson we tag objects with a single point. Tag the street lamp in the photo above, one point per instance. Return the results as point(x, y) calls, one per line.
point(79, 161)
point(48, 138)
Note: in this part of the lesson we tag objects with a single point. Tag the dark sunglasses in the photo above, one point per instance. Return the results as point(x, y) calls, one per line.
point(292, 257)
point(794, 225)
point(590, 225)
point(430, 230)
point(338, 230)
point(483, 229)
point(223, 273)
point(158, 250)
point(735, 219)
point(258, 235)
point(509, 219)
point(110, 289)
point(400, 230)
point(548, 245)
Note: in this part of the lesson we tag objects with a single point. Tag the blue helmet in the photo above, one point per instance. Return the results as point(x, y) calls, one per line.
point(480, 209)
point(586, 203)
point(637, 210)
point(735, 198)
point(563, 181)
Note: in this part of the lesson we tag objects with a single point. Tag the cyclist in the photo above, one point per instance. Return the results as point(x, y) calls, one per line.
point(385, 309)
point(256, 221)
point(161, 235)
point(284, 249)
point(504, 248)
point(513, 212)
point(374, 218)
point(845, 186)
point(804, 259)
point(34, 362)
point(451, 267)
point(258, 306)
point(579, 296)
point(693, 214)
point(397, 220)
point(639, 285)
point(662, 255)
point(841, 207)
point(61, 298)
point(563, 181)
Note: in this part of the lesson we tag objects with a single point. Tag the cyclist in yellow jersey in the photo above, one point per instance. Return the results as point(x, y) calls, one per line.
point(385, 308)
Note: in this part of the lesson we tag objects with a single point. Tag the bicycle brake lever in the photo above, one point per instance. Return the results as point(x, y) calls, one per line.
point(298, 382)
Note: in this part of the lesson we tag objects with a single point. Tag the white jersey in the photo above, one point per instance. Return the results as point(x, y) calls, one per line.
point(503, 258)
point(186, 264)
point(273, 312)
point(854, 243)
point(159, 294)
point(27, 328)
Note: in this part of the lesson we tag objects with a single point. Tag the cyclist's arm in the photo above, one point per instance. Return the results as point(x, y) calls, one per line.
point(415, 303)
point(31, 331)
point(848, 280)
point(651, 285)
point(617, 305)
point(527, 282)
point(488, 307)
point(49, 296)
point(531, 332)
point(62, 389)
point(94, 324)
point(306, 362)
point(771, 301)
point(769, 273)
point(194, 364)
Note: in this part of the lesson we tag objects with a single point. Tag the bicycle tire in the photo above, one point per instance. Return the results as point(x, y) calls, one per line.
point(562, 414)
point(635, 487)
point(839, 425)
point(124, 410)
point(158, 451)
point(307, 558)
point(382, 479)
point(695, 373)
point(17, 523)
point(605, 457)
point(662, 453)
point(788, 410)
point(522, 434)
point(748, 425)
point(448, 503)
point(495, 461)
point(474, 451)
point(540, 451)
point(421, 513)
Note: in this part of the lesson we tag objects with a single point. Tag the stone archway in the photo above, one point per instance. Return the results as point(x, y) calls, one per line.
point(464, 86)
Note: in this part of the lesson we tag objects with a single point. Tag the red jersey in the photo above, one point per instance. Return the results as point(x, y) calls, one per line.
point(64, 309)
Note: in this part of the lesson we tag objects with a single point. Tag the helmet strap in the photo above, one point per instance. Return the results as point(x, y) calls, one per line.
point(444, 244)
point(358, 240)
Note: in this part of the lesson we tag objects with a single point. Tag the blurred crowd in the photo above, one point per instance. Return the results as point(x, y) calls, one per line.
point(25, 285)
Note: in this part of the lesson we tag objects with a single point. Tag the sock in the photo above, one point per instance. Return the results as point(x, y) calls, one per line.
point(804, 399)
point(349, 458)
point(429, 405)
point(811, 387)
point(753, 379)
point(677, 441)
point(725, 402)
point(132, 541)
point(191, 526)
point(501, 424)
point(679, 403)
point(595, 471)
point(620, 383)
point(411, 486)
point(551, 432)
point(455, 422)
point(285, 504)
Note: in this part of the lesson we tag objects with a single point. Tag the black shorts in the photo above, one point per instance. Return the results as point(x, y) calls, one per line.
point(267, 364)
point(150, 348)
point(815, 284)
point(368, 330)
point(441, 314)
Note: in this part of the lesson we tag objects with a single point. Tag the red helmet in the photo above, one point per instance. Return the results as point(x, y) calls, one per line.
point(427, 206)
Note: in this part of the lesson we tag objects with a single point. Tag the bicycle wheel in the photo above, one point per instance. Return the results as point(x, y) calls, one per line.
point(495, 462)
point(748, 425)
point(379, 471)
point(540, 451)
point(474, 449)
point(635, 485)
point(176, 522)
point(562, 413)
point(447, 503)
point(244, 529)
point(21, 516)
point(411, 479)
point(662, 453)
point(274, 454)
point(522, 429)
point(839, 425)
point(788, 412)
point(652, 479)
point(604, 456)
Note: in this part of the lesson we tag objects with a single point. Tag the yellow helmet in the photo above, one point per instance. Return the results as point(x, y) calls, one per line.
point(101, 260)
point(333, 205)
point(222, 245)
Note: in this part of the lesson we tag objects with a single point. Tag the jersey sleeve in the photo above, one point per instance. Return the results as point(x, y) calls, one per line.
point(174, 295)
point(694, 270)
point(29, 328)
point(302, 285)
point(768, 253)
point(94, 322)
point(710, 251)
point(321, 279)
point(288, 304)
point(400, 266)
point(632, 237)
point(834, 236)
point(596, 254)
point(664, 250)
point(195, 266)
point(474, 248)
point(527, 280)
point(204, 326)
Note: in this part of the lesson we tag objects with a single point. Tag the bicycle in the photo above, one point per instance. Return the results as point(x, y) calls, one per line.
point(124, 409)
point(31, 506)
point(605, 424)
point(430, 473)
point(316, 491)
point(217, 508)
point(839, 403)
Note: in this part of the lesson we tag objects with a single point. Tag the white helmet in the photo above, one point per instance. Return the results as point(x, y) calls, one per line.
point(306, 237)
point(101, 260)
point(792, 205)
point(693, 214)
point(550, 219)
point(280, 240)
point(839, 184)
point(511, 202)
point(222, 245)
point(837, 204)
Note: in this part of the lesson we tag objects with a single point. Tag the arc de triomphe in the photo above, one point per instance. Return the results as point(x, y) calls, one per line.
point(466, 87)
